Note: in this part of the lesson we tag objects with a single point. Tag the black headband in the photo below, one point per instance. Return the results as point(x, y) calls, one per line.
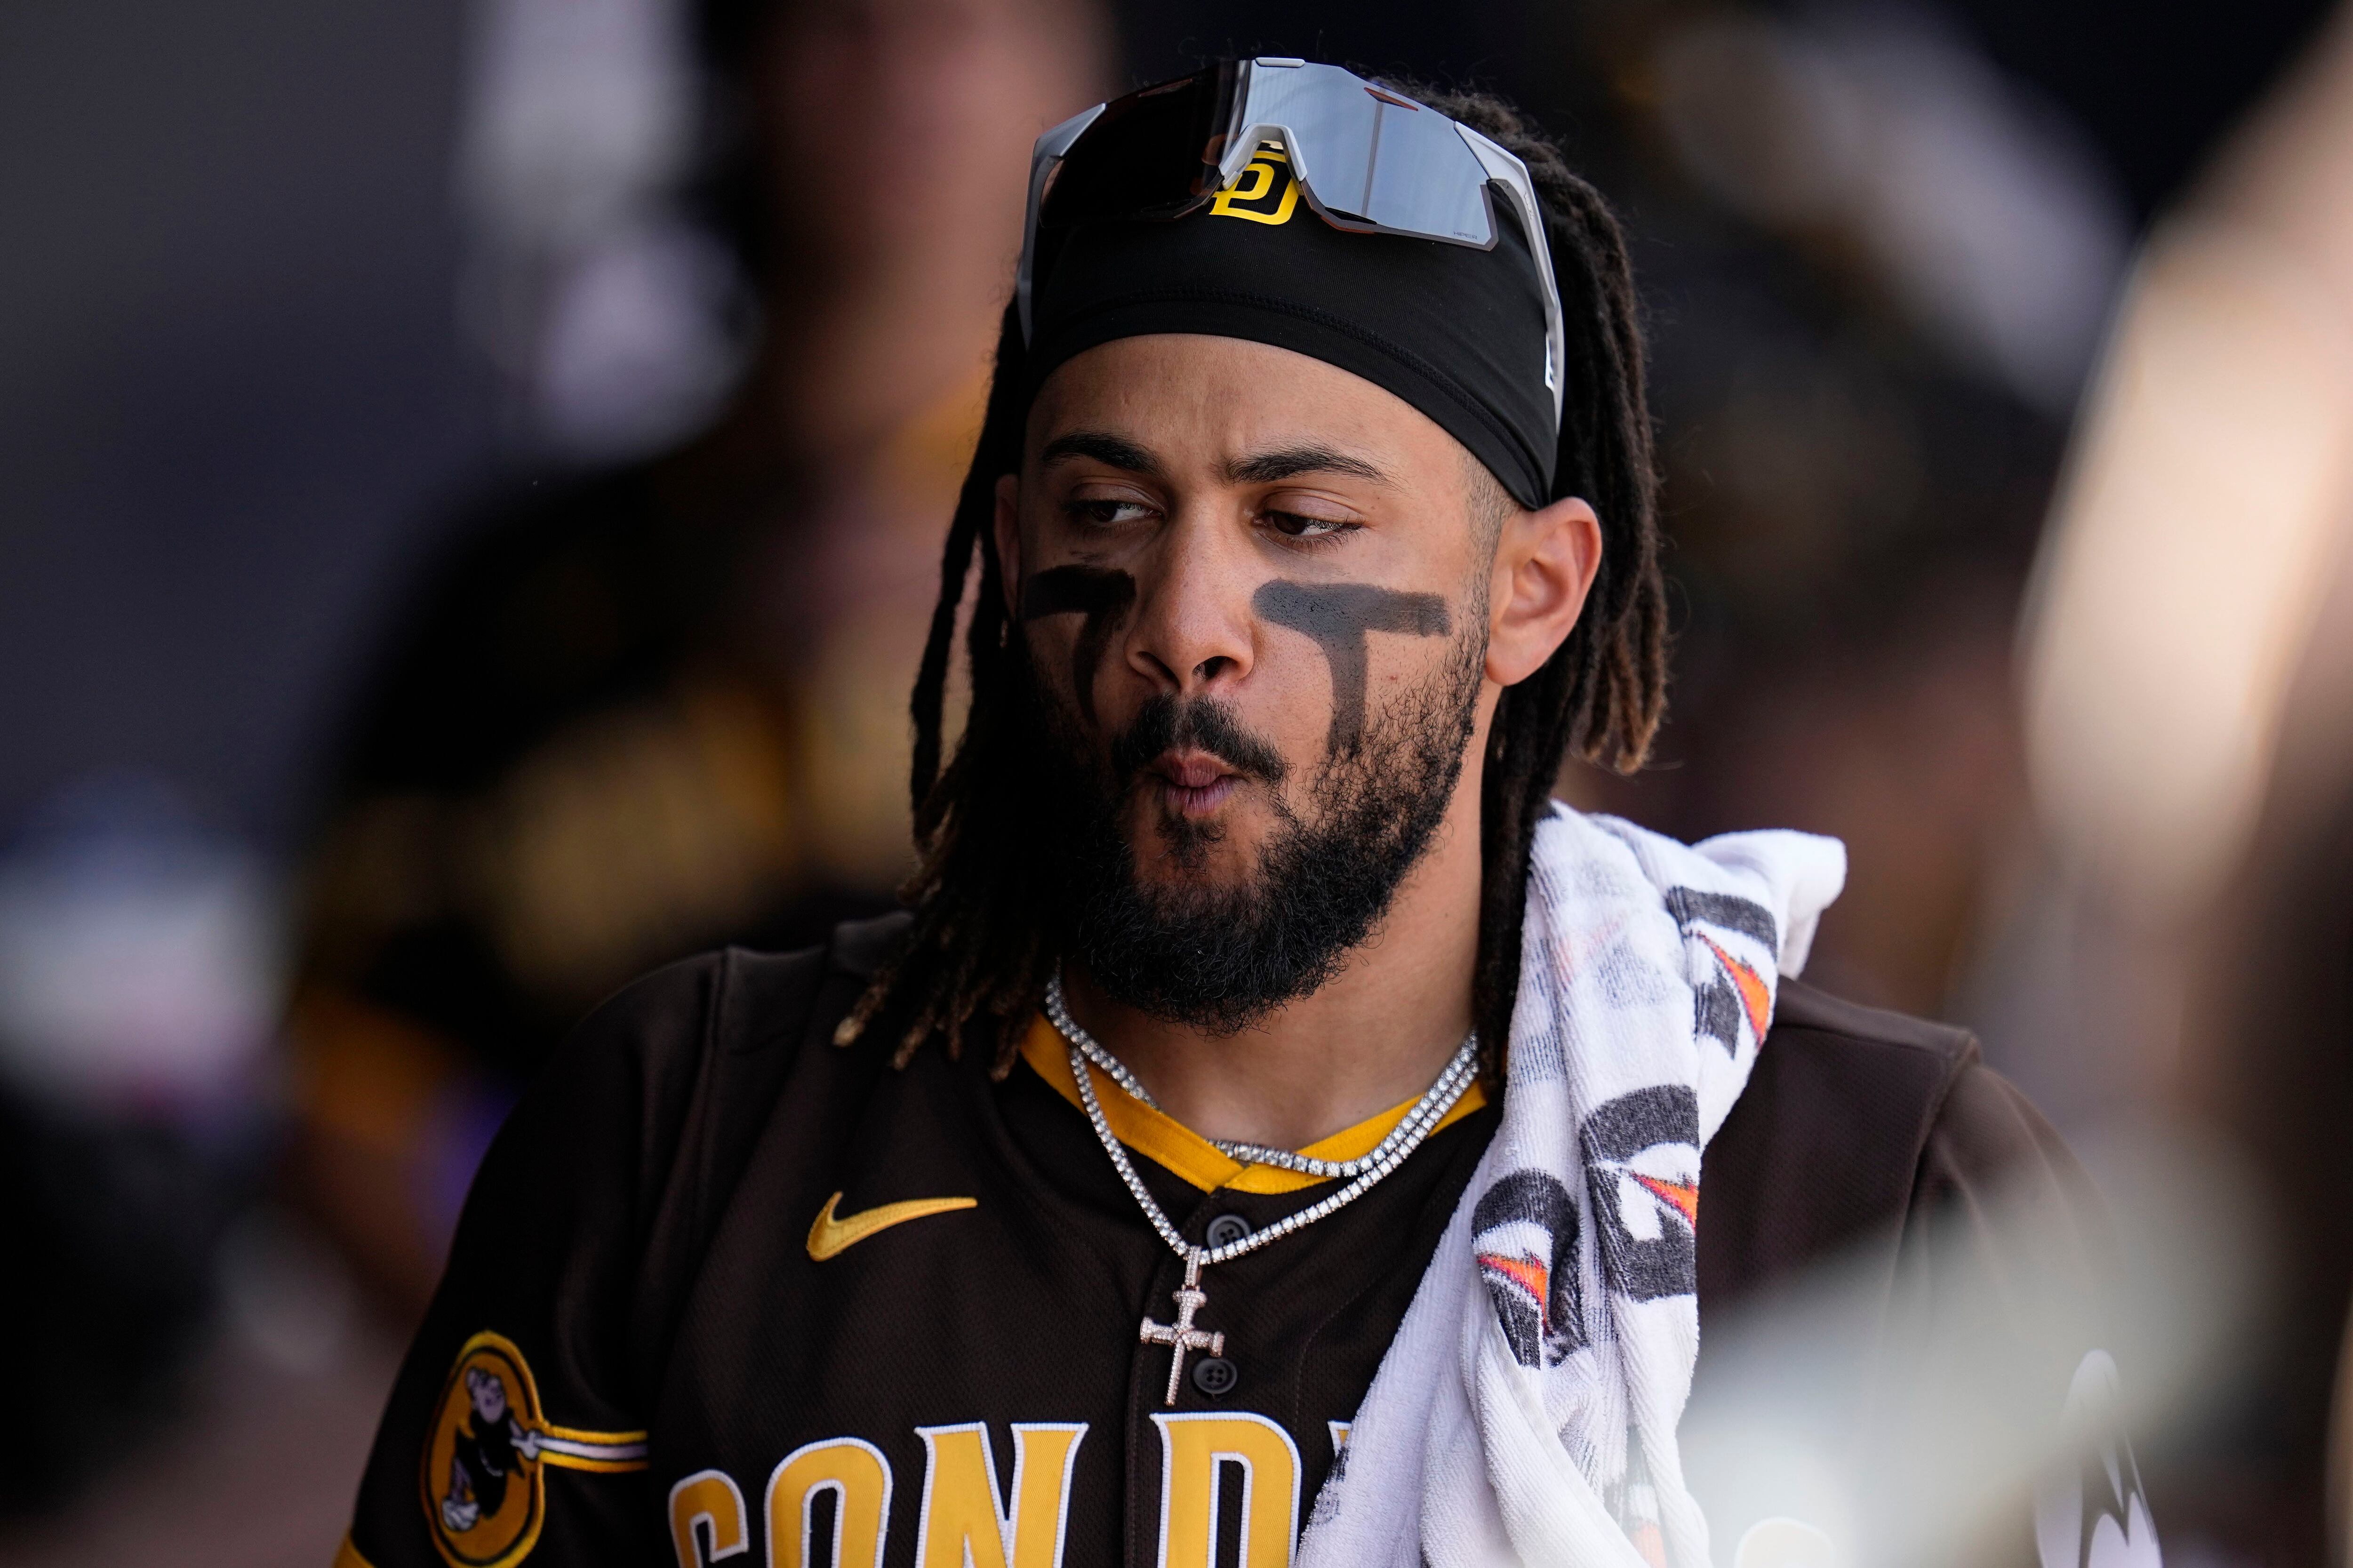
point(1457, 333)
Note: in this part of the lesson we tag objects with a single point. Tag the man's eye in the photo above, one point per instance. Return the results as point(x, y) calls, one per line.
point(1298, 525)
point(1109, 513)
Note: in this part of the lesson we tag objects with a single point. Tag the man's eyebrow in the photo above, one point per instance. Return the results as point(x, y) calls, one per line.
point(1290, 462)
point(1114, 451)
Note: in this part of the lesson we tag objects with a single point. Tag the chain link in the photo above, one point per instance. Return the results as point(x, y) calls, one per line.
point(1367, 1170)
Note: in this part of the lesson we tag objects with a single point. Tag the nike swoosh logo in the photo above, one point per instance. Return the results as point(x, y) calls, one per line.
point(830, 1236)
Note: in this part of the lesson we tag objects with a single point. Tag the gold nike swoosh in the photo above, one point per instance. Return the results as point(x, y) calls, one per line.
point(830, 1236)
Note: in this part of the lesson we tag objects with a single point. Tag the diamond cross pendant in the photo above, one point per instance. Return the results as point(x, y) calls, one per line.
point(1182, 1336)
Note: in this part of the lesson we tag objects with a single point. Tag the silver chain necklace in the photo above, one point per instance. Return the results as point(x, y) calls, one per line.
point(1181, 1336)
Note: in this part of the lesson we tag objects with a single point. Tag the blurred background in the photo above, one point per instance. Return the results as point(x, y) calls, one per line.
point(471, 473)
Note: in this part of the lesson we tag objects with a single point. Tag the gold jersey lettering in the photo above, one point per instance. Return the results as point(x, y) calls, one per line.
point(1265, 194)
point(858, 1476)
point(1193, 1450)
point(964, 1523)
point(706, 1519)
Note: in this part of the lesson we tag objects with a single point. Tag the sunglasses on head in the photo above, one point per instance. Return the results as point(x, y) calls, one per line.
point(1369, 159)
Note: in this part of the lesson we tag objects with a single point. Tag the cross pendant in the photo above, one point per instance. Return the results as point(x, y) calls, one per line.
point(1181, 1335)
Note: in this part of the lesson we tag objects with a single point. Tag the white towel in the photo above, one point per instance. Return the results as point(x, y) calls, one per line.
point(1525, 1412)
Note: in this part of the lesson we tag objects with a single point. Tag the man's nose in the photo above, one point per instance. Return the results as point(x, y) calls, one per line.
point(1193, 631)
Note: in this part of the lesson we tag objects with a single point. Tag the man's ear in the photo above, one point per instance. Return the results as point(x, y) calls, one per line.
point(1008, 541)
point(1544, 562)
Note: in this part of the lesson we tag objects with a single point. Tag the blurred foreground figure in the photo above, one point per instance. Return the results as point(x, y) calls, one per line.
point(2190, 684)
point(657, 709)
point(1882, 269)
point(1276, 1112)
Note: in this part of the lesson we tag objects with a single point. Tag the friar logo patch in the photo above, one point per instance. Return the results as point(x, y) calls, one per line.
point(1265, 194)
point(484, 1481)
point(2095, 1515)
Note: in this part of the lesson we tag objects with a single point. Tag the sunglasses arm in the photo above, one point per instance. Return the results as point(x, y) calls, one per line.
point(1043, 160)
point(1511, 175)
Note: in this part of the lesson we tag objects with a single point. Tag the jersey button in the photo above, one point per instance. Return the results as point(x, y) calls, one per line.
point(1227, 1229)
point(1215, 1376)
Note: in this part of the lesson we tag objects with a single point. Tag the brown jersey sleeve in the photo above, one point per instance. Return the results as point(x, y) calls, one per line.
point(517, 1426)
point(1901, 1270)
point(1999, 1385)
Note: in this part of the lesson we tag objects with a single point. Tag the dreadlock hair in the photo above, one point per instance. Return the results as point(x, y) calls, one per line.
point(983, 943)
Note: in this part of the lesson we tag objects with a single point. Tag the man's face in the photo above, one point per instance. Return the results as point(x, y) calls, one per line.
point(489, 1396)
point(1254, 593)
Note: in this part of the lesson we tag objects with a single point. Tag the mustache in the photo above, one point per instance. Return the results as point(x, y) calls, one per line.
point(1166, 724)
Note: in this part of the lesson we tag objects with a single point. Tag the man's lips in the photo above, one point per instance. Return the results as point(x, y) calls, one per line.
point(1193, 782)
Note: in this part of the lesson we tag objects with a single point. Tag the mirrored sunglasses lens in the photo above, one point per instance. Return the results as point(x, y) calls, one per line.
point(1376, 156)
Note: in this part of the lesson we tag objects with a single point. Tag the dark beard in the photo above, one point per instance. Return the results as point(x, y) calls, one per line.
point(1219, 959)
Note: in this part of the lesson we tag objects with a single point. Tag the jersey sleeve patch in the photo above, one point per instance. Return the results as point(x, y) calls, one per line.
point(483, 1483)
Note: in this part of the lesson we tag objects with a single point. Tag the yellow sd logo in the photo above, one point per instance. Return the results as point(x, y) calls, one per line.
point(1265, 194)
point(486, 1459)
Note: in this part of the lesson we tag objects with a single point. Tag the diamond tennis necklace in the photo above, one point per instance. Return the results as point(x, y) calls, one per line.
point(1362, 1172)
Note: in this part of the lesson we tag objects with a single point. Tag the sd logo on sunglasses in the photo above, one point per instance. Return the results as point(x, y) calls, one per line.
point(1265, 194)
